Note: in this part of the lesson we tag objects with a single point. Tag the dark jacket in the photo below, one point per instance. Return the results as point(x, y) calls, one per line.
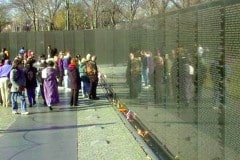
point(18, 80)
point(74, 78)
point(60, 67)
point(31, 77)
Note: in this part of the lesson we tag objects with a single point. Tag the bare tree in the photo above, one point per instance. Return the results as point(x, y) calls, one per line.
point(29, 7)
point(77, 16)
point(187, 3)
point(93, 11)
point(134, 4)
point(49, 10)
point(3, 17)
point(111, 13)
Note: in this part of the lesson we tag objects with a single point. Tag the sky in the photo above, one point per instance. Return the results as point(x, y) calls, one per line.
point(3, 1)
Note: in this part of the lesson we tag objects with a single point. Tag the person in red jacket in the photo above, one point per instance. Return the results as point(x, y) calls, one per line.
point(75, 83)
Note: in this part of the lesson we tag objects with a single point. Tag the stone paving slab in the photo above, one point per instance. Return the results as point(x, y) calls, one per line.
point(93, 130)
point(6, 119)
point(105, 137)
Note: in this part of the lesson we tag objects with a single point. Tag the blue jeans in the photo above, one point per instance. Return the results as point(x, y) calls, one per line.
point(85, 84)
point(85, 87)
point(14, 96)
point(66, 79)
point(145, 72)
point(31, 95)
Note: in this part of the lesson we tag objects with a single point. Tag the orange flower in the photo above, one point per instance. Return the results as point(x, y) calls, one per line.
point(122, 109)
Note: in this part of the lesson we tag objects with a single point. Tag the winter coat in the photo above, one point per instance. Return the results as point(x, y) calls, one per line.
point(74, 78)
point(18, 80)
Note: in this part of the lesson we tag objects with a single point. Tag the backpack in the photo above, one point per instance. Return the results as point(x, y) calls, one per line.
point(90, 68)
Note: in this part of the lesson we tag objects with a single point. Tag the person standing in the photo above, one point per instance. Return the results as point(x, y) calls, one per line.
point(55, 66)
point(133, 75)
point(49, 51)
point(40, 80)
point(22, 51)
point(84, 78)
point(200, 75)
point(92, 72)
point(4, 82)
point(158, 79)
point(217, 71)
point(31, 81)
point(167, 74)
point(3, 55)
point(60, 68)
point(75, 82)
point(145, 68)
point(50, 85)
point(66, 62)
point(186, 80)
point(18, 80)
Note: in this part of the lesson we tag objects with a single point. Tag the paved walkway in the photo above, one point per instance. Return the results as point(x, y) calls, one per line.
point(91, 131)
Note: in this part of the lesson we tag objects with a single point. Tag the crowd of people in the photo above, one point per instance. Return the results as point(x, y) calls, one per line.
point(177, 75)
point(32, 74)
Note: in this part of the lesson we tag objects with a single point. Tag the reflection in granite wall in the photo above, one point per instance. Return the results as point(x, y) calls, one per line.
point(197, 114)
point(232, 67)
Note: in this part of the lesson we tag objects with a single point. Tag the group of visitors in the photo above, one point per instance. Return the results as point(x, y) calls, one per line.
point(144, 70)
point(32, 74)
point(177, 75)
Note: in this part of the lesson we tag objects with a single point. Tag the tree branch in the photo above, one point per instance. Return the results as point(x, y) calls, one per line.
point(176, 4)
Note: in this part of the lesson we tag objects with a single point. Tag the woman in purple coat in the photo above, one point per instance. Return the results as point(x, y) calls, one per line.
point(75, 83)
point(50, 85)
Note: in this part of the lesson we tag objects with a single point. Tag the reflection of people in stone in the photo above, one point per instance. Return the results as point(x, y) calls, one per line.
point(175, 73)
point(214, 77)
point(158, 79)
point(200, 74)
point(145, 68)
point(167, 70)
point(186, 80)
point(217, 71)
point(221, 71)
point(49, 51)
point(150, 64)
point(133, 75)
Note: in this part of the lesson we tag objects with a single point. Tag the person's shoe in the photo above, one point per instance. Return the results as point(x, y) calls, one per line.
point(14, 112)
point(24, 113)
point(50, 107)
point(30, 106)
point(34, 102)
point(95, 98)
